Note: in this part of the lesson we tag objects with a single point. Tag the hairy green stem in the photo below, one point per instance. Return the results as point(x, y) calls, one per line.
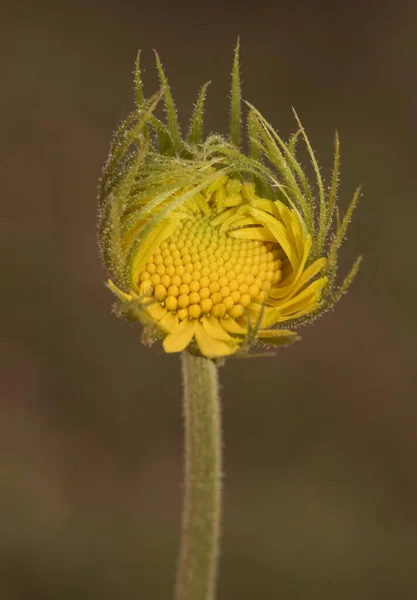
point(196, 576)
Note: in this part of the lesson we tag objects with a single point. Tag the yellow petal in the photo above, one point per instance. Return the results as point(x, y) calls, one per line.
point(292, 289)
point(154, 239)
point(233, 186)
point(156, 311)
point(181, 336)
point(213, 328)
point(287, 216)
point(277, 336)
point(304, 298)
point(232, 221)
point(270, 333)
point(130, 235)
point(243, 221)
point(300, 307)
point(202, 204)
point(145, 290)
point(231, 326)
point(286, 291)
point(253, 233)
point(248, 190)
point(210, 347)
point(192, 205)
point(298, 234)
point(315, 305)
point(272, 317)
point(308, 274)
point(223, 216)
point(169, 322)
point(269, 314)
point(216, 184)
point(234, 200)
point(269, 206)
point(282, 235)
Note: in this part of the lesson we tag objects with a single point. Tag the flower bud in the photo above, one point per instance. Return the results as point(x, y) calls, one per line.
point(210, 248)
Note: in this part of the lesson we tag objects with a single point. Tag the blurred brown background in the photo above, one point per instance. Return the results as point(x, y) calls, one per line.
point(320, 442)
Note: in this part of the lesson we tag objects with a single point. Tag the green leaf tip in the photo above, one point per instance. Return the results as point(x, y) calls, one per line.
point(139, 97)
point(253, 137)
point(286, 165)
point(171, 111)
point(292, 143)
point(340, 233)
point(331, 202)
point(347, 281)
point(195, 132)
point(320, 184)
point(236, 100)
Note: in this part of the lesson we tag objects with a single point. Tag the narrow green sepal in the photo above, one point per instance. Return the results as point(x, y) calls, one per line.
point(320, 185)
point(139, 97)
point(236, 101)
point(125, 141)
point(196, 125)
point(283, 340)
point(171, 111)
point(291, 172)
point(110, 219)
point(340, 233)
point(165, 141)
point(253, 137)
point(331, 203)
point(292, 142)
point(347, 282)
point(337, 240)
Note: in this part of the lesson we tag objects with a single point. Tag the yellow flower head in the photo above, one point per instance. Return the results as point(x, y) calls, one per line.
point(211, 249)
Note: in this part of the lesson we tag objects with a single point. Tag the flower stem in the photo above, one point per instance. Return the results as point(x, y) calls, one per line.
point(196, 576)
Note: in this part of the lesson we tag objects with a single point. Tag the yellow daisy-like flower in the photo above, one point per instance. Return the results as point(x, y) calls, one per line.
point(210, 249)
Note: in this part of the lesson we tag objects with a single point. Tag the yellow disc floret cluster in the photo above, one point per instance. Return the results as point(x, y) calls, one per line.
point(200, 271)
point(225, 261)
